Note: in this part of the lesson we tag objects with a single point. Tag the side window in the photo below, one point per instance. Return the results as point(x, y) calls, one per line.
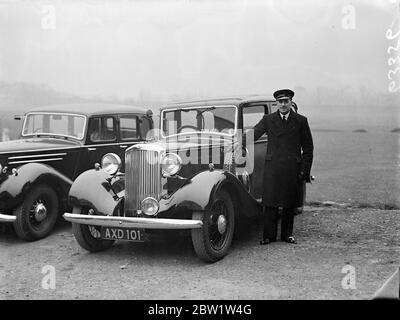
point(251, 116)
point(170, 123)
point(128, 127)
point(102, 129)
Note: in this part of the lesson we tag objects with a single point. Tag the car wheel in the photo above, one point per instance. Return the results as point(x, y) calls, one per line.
point(37, 215)
point(89, 237)
point(212, 241)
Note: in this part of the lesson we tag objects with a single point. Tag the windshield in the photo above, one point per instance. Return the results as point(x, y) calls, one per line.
point(66, 125)
point(199, 119)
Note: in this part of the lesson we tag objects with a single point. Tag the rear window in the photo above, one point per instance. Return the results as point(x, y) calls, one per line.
point(128, 127)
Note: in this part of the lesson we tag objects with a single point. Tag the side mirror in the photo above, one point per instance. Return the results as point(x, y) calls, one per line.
point(18, 117)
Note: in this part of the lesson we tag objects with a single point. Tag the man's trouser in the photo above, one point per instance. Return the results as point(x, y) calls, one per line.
point(271, 223)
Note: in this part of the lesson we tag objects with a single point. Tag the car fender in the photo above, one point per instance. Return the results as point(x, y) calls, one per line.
point(97, 190)
point(15, 186)
point(198, 192)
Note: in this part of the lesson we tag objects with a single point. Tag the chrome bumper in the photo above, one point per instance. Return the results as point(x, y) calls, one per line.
point(132, 222)
point(7, 218)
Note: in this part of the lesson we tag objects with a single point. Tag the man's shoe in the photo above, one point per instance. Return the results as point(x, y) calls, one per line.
point(291, 240)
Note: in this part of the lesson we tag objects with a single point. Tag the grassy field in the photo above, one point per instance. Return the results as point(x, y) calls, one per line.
point(359, 168)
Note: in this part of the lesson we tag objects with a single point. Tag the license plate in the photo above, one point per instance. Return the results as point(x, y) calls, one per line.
point(122, 234)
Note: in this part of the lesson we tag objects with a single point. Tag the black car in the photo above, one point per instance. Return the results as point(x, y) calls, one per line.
point(197, 176)
point(58, 143)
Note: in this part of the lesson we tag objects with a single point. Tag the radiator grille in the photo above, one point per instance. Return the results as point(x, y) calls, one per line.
point(143, 178)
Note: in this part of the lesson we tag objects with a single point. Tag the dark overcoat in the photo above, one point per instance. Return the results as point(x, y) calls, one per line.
point(289, 152)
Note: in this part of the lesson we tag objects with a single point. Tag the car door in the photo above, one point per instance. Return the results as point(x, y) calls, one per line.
point(252, 114)
point(102, 138)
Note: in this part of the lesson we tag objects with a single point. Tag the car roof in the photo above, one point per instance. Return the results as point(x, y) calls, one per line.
point(90, 109)
point(222, 101)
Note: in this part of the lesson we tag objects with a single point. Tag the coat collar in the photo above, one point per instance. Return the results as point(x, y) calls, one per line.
point(277, 116)
point(277, 120)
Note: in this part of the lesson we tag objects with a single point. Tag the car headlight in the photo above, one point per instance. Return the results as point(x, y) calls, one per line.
point(150, 206)
point(171, 163)
point(111, 163)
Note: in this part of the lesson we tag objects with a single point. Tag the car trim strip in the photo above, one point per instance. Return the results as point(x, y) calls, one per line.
point(110, 144)
point(36, 150)
point(74, 147)
point(7, 218)
point(133, 222)
point(37, 160)
point(37, 156)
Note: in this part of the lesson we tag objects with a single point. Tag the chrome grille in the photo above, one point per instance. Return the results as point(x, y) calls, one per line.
point(143, 177)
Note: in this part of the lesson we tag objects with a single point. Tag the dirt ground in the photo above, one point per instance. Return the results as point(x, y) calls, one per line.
point(330, 237)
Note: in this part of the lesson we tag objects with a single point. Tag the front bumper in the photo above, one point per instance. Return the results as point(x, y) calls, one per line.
point(132, 222)
point(7, 218)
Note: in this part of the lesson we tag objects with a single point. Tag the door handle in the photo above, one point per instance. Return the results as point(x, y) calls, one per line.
point(92, 149)
point(123, 146)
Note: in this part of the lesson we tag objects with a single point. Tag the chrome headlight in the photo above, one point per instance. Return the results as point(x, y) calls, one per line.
point(171, 163)
point(111, 163)
point(150, 206)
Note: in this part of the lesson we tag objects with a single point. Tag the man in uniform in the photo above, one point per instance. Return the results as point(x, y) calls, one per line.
point(287, 165)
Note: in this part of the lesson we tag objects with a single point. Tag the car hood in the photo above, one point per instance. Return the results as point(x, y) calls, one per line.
point(35, 144)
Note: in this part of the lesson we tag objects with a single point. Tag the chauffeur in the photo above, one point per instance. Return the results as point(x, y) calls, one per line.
point(288, 163)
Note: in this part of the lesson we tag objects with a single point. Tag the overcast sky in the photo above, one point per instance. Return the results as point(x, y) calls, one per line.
point(177, 48)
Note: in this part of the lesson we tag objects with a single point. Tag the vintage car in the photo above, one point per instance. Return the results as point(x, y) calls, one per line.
point(58, 143)
point(197, 175)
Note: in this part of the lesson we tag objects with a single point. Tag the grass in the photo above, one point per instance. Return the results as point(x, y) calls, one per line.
point(360, 170)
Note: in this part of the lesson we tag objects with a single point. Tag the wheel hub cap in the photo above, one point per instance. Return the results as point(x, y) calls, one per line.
point(40, 212)
point(221, 224)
